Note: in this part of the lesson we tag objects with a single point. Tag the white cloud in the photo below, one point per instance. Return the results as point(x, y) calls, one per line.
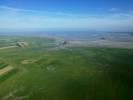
point(114, 9)
point(7, 8)
point(19, 10)
point(14, 18)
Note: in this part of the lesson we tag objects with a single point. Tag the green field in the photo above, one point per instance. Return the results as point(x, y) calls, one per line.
point(71, 73)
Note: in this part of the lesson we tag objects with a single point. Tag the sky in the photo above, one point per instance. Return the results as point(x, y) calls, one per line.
point(93, 15)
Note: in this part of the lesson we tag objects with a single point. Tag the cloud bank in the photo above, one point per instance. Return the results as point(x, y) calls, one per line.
point(15, 18)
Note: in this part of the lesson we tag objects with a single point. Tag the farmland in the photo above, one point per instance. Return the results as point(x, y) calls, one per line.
point(40, 70)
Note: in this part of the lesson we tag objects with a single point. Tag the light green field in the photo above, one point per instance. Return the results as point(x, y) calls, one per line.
point(71, 73)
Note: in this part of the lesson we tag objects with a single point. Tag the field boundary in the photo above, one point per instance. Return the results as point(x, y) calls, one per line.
point(6, 70)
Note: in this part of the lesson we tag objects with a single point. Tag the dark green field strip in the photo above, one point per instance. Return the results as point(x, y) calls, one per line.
point(3, 65)
point(8, 75)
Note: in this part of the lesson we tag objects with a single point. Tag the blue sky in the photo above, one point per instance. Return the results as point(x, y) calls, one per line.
point(97, 15)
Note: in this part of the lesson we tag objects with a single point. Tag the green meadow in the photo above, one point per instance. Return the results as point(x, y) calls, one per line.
point(69, 73)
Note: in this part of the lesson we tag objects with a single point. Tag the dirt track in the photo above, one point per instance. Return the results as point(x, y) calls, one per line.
point(8, 47)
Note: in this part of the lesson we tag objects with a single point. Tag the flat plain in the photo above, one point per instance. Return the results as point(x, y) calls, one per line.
point(39, 68)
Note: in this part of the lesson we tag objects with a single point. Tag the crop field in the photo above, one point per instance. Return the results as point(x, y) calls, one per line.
point(6, 42)
point(2, 65)
point(38, 71)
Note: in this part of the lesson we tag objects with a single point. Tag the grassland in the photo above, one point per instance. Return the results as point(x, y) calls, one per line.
point(71, 73)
